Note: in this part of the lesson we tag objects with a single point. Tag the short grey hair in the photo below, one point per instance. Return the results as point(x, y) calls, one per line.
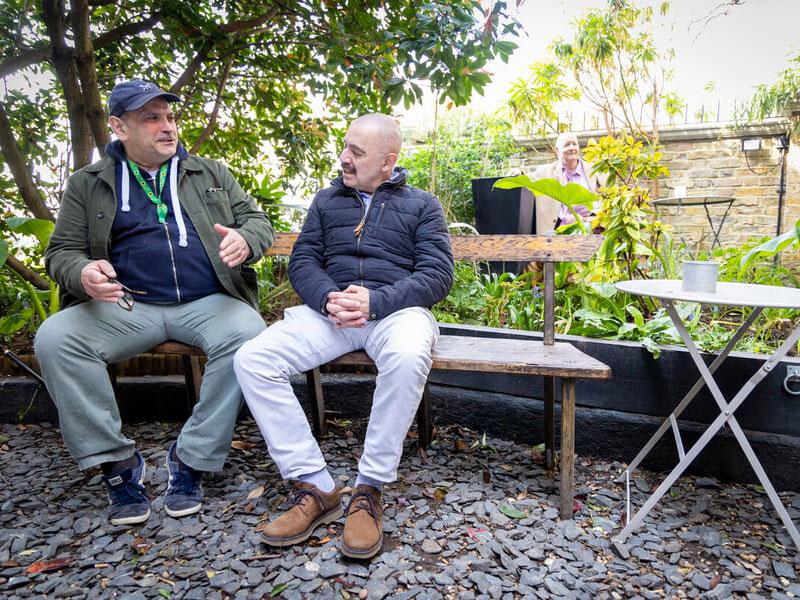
point(563, 137)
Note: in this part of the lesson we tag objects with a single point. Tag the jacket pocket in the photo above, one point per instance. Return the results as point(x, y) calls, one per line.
point(219, 207)
point(379, 219)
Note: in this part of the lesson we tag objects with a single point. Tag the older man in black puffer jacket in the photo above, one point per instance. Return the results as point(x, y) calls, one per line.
point(373, 256)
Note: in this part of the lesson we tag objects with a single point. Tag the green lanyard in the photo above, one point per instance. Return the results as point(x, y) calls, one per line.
point(161, 208)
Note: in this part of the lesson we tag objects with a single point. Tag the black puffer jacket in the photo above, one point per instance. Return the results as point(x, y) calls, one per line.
point(403, 255)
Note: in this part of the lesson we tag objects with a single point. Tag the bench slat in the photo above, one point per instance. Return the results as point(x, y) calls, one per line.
point(498, 355)
point(540, 248)
point(171, 347)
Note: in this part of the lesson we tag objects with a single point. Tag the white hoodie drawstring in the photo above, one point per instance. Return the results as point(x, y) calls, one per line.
point(126, 187)
point(173, 192)
point(176, 205)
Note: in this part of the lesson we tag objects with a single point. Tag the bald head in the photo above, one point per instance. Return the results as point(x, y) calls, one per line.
point(384, 128)
point(371, 146)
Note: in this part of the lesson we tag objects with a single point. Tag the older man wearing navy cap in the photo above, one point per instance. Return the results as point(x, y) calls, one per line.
point(151, 243)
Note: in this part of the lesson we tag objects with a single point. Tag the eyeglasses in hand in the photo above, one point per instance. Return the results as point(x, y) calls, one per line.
point(126, 301)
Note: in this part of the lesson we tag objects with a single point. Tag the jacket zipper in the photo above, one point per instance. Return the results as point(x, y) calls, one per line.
point(172, 261)
point(358, 231)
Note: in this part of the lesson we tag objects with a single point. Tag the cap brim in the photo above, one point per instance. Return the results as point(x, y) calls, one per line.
point(140, 102)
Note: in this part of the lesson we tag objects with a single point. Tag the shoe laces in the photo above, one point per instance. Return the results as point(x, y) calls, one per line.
point(363, 501)
point(184, 481)
point(298, 497)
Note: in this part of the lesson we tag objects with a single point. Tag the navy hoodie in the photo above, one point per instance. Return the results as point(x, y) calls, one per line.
point(146, 254)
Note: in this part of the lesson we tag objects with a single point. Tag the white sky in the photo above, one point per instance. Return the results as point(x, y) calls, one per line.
point(737, 51)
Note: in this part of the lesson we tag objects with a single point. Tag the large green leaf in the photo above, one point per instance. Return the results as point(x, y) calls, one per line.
point(569, 194)
point(42, 229)
point(3, 252)
point(771, 247)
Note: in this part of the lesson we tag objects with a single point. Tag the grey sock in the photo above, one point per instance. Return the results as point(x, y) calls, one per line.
point(109, 468)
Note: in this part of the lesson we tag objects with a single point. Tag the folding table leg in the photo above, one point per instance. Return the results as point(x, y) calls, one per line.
point(567, 491)
point(726, 416)
point(687, 399)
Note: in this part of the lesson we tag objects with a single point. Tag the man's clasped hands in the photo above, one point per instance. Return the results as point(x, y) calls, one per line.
point(349, 308)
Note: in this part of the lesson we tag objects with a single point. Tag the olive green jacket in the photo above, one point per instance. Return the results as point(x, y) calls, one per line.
point(208, 194)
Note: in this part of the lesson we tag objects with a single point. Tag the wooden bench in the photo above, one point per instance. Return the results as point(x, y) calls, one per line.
point(548, 358)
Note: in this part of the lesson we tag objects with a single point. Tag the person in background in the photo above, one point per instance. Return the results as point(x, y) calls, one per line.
point(569, 168)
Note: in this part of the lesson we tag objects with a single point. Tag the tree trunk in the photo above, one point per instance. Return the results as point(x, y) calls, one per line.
point(80, 136)
point(84, 59)
point(16, 164)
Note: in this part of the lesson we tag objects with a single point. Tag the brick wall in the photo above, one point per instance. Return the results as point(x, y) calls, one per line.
point(708, 160)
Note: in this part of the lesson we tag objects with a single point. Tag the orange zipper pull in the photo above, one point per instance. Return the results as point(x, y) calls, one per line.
point(359, 228)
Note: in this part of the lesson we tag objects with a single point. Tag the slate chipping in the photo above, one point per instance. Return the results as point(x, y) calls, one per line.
point(449, 534)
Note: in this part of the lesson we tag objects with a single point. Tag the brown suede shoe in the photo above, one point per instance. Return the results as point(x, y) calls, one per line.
point(363, 526)
point(311, 507)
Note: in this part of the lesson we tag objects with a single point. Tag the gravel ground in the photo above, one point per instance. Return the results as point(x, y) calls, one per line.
point(475, 518)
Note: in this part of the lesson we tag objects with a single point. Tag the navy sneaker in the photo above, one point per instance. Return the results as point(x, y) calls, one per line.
point(184, 491)
point(126, 495)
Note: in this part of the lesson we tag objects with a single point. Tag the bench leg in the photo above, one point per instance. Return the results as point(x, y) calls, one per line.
point(318, 422)
point(424, 424)
point(549, 423)
point(194, 378)
point(567, 447)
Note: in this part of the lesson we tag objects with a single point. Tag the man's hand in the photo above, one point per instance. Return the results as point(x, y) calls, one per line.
point(95, 280)
point(349, 308)
point(233, 249)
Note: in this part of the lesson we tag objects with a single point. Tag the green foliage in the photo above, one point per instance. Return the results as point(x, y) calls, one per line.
point(569, 194)
point(266, 87)
point(586, 301)
point(616, 66)
point(24, 306)
point(771, 99)
point(533, 101)
point(771, 247)
point(462, 149)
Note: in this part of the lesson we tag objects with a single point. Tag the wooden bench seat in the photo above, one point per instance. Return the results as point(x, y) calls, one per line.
point(547, 358)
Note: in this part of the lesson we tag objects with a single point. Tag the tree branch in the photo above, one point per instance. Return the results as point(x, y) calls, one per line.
point(245, 25)
point(16, 164)
point(84, 60)
point(212, 121)
point(40, 53)
point(80, 137)
point(27, 274)
point(194, 65)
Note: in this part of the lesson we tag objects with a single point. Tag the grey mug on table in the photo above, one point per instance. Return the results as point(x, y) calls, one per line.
point(700, 276)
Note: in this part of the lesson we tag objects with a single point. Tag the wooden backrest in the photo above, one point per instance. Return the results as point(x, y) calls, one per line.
point(529, 248)
point(547, 249)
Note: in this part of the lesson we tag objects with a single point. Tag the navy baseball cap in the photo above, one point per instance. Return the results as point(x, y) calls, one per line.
point(134, 94)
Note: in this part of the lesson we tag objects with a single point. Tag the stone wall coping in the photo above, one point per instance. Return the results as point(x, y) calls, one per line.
point(678, 133)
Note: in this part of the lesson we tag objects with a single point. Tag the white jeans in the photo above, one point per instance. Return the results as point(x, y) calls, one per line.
point(400, 345)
